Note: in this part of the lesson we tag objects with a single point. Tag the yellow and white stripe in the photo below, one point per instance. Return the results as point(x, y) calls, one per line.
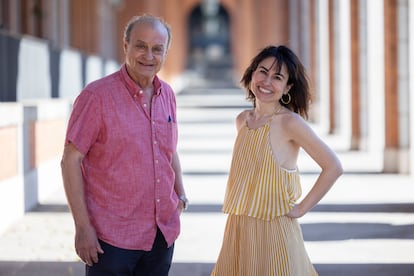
point(257, 185)
point(259, 240)
point(254, 247)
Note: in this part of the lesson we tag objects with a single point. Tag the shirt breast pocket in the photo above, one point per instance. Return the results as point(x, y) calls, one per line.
point(167, 133)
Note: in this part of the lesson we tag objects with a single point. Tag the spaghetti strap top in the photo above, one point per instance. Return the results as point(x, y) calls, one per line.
point(257, 185)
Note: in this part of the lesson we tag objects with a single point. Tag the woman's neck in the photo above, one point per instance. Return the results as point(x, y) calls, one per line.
point(262, 111)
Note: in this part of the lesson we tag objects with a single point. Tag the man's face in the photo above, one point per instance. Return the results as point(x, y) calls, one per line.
point(146, 50)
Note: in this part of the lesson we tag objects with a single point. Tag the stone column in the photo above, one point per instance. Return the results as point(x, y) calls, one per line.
point(355, 75)
point(294, 14)
point(342, 77)
point(321, 103)
point(401, 162)
point(374, 71)
point(411, 81)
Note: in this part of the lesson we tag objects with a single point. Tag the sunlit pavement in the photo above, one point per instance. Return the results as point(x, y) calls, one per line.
point(364, 226)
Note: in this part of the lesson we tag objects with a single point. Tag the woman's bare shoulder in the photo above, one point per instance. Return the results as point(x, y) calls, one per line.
point(291, 119)
point(242, 118)
point(289, 123)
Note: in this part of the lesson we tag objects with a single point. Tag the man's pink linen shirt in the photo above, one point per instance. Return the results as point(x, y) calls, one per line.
point(128, 176)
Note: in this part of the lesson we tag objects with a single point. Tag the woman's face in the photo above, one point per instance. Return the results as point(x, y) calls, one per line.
point(268, 84)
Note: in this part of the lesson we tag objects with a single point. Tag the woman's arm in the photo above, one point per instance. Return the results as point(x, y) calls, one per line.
point(305, 137)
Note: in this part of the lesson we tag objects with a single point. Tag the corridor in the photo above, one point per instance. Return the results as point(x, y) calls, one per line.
point(364, 226)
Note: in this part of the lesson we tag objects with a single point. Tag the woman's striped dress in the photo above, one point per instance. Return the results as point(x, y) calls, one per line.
point(259, 240)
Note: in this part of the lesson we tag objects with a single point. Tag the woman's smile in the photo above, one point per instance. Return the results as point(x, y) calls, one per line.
point(265, 91)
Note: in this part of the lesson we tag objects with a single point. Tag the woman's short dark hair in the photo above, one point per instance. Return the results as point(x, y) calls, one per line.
point(299, 91)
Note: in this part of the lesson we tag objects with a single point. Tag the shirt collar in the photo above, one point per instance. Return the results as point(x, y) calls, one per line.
point(133, 88)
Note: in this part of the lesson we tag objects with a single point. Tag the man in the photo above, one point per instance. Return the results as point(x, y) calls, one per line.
point(120, 167)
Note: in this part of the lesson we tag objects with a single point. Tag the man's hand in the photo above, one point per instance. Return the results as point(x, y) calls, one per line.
point(87, 245)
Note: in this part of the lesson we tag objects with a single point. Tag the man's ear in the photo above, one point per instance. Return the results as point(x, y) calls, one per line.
point(125, 46)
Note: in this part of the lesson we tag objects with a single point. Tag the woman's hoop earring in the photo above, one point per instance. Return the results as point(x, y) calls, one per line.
point(286, 101)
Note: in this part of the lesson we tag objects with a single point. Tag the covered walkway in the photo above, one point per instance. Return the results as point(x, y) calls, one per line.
point(364, 226)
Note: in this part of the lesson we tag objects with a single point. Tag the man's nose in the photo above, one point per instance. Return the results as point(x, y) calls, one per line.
point(149, 54)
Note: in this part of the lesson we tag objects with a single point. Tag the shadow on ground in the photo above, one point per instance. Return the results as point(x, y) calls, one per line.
point(311, 232)
point(200, 269)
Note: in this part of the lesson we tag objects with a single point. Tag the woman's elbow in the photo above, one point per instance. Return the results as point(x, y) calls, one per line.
point(338, 169)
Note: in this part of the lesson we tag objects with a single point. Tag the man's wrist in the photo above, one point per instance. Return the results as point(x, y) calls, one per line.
point(184, 199)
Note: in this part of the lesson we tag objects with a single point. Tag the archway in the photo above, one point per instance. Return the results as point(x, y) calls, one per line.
point(209, 39)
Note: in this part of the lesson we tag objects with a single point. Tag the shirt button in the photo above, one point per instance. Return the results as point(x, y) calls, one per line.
point(158, 200)
point(140, 91)
point(145, 105)
point(156, 161)
point(158, 181)
point(155, 142)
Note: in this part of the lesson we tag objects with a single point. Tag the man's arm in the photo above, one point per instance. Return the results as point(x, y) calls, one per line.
point(86, 242)
point(178, 185)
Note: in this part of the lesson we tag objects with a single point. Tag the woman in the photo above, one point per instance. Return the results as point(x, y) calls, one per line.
point(262, 235)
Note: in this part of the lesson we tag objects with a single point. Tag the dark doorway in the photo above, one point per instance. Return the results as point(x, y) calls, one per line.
point(209, 51)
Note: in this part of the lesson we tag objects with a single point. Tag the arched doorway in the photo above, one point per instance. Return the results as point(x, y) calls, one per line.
point(209, 41)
